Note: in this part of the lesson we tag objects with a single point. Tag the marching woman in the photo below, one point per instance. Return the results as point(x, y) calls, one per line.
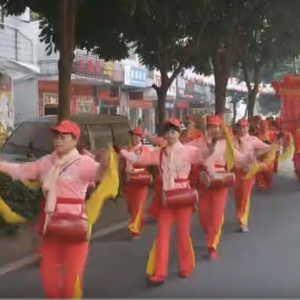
point(264, 179)
point(65, 176)
point(215, 179)
point(245, 143)
point(177, 201)
point(137, 181)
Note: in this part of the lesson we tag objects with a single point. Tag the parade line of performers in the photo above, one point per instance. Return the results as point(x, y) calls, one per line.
point(192, 173)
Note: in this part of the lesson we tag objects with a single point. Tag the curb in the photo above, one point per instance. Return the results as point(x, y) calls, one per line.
point(23, 262)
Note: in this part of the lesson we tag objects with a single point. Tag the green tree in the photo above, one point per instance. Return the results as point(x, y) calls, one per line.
point(69, 24)
point(269, 104)
point(272, 42)
point(223, 38)
point(167, 36)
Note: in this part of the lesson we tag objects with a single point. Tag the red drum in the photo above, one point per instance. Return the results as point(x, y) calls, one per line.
point(218, 180)
point(139, 178)
point(180, 198)
point(68, 222)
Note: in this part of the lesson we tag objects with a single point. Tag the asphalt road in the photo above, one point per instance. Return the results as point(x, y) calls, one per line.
point(262, 263)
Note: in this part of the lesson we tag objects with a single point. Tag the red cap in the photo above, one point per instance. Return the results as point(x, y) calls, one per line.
point(173, 121)
point(67, 126)
point(213, 120)
point(137, 131)
point(243, 122)
point(257, 118)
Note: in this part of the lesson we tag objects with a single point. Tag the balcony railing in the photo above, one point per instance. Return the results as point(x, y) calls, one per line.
point(14, 45)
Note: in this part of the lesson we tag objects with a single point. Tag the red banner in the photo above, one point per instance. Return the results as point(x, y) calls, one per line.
point(289, 92)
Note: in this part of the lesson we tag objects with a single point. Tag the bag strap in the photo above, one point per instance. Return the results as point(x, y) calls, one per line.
point(68, 164)
point(161, 153)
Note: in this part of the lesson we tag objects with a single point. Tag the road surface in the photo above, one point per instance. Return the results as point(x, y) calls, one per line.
point(262, 263)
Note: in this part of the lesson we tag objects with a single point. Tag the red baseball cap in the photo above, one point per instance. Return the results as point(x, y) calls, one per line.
point(137, 131)
point(213, 120)
point(243, 122)
point(67, 126)
point(173, 121)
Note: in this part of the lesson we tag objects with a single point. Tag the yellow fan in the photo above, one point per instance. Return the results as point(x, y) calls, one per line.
point(8, 215)
point(107, 189)
point(229, 149)
point(259, 166)
point(32, 184)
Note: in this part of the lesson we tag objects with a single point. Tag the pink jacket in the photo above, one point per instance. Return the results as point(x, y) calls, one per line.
point(72, 183)
point(248, 145)
point(216, 162)
point(138, 150)
point(176, 163)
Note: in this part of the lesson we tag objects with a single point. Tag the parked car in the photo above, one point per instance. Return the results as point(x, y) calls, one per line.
point(32, 139)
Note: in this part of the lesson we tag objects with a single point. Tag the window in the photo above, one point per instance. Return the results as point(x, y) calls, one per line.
point(30, 137)
point(84, 140)
point(102, 135)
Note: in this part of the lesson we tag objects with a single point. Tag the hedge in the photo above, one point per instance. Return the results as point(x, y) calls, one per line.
point(21, 199)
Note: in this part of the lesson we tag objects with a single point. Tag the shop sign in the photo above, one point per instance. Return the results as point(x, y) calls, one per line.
point(185, 88)
point(172, 89)
point(90, 66)
point(136, 77)
point(84, 104)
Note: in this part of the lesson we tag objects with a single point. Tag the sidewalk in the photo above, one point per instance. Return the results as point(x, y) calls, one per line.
point(26, 242)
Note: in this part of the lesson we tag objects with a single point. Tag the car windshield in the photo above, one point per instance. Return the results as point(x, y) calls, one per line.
point(30, 138)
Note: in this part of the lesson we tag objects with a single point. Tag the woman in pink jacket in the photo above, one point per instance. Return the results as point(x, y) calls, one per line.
point(174, 162)
point(65, 176)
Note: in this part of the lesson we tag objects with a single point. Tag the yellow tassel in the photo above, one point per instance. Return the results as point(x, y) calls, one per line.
point(152, 260)
point(129, 142)
point(258, 167)
point(287, 153)
point(107, 189)
point(229, 149)
point(193, 253)
point(77, 290)
point(135, 226)
point(8, 215)
point(32, 184)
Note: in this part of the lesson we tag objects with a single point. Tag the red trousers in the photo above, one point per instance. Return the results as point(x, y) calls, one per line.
point(243, 188)
point(264, 179)
point(61, 265)
point(296, 160)
point(182, 218)
point(155, 206)
point(136, 197)
point(212, 203)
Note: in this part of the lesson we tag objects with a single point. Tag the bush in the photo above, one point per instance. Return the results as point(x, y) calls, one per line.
point(21, 199)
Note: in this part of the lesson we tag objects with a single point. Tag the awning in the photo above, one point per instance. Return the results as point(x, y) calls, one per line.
point(17, 70)
point(140, 104)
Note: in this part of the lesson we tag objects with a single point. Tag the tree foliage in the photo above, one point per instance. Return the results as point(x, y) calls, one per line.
point(167, 36)
point(269, 104)
point(272, 40)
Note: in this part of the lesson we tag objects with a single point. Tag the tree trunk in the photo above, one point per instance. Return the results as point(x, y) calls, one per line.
point(220, 94)
point(161, 99)
point(222, 64)
point(234, 111)
point(66, 46)
point(252, 93)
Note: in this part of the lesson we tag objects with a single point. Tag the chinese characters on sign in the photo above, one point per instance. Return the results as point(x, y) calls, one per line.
point(91, 66)
point(190, 89)
point(135, 76)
